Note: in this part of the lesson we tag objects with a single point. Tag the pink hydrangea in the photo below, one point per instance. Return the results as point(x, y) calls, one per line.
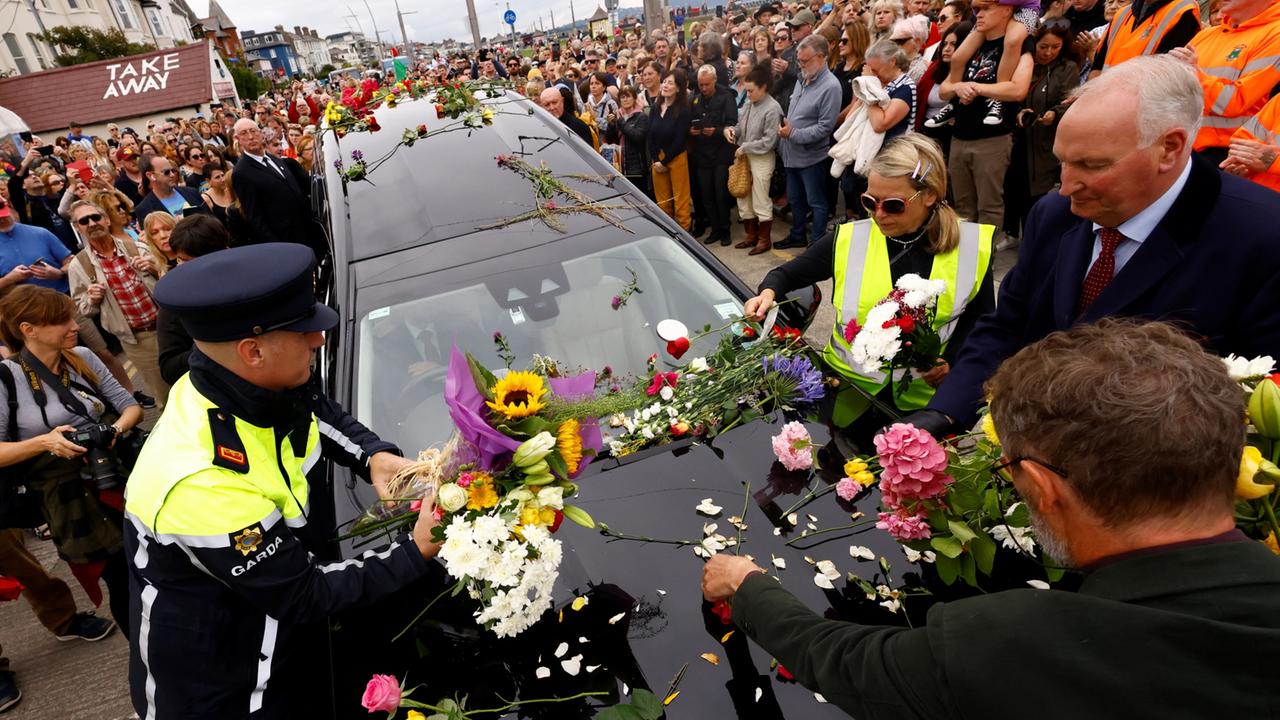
point(791, 446)
point(904, 527)
point(915, 465)
point(382, 694)
point(848, 489)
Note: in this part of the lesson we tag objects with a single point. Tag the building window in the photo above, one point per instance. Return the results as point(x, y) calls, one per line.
point(72, 4)
point(125, 12)
point(41, 52)
point(15, 52)
point(157, 25)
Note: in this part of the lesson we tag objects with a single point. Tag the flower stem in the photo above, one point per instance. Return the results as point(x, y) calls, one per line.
point(517, 703)
point(830, 530)
point(742, 519)
point(608, 532)
point(414, 621)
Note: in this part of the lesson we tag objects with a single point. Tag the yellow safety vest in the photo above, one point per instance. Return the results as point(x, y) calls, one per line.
point(860, 244)
point(186, 483)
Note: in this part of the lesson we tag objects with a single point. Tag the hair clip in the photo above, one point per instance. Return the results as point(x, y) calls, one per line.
point(919, 176)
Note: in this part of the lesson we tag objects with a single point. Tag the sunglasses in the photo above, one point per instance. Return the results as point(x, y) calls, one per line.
point(844, 41)
point(900, 41)
point(94, 218)
point(57, 181)
point(783, 38)
point(166, 171)
point(889, 206)
point(196, 156)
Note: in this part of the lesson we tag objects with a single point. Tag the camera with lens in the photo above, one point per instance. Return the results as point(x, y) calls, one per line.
point(104, 466)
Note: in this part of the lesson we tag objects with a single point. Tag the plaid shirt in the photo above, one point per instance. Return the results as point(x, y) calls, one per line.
point(127, 288)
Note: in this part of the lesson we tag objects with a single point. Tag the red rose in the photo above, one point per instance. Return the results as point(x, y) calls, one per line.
point(748, 332)
point(723, 610)
point(907, 324)
point(784, 673)
point(678, 347)
point(439, 111)
point(373, 124)
point(555, 524)
point(786, 334)
point(660, 379)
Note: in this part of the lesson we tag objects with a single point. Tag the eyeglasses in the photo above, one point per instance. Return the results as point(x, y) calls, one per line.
point(844, 41)
point(900, 41)
point(196, 156)
point(1001, 467)
point(94, 218)
point(889, 206)
point(57, 181)
point(166, 171)
point(782, 38)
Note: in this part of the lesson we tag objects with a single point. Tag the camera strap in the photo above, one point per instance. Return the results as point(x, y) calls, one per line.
point(38, 375)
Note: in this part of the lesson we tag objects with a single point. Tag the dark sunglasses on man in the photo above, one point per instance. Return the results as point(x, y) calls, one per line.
point(889, 206)
point(87, 219)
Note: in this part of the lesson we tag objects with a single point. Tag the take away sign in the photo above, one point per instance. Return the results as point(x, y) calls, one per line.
point(140, 76)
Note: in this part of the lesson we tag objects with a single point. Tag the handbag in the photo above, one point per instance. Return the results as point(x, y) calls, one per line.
point(740, 177)
point(19, 505)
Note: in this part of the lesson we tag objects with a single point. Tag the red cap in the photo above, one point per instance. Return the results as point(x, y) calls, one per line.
point(126, 152)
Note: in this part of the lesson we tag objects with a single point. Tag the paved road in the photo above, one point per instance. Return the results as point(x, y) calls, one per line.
point(83, 681)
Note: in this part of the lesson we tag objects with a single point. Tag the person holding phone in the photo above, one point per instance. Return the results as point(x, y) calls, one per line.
point(911, 230)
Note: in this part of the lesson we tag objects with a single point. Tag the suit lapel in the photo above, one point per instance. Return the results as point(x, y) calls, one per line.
point(1073, 261)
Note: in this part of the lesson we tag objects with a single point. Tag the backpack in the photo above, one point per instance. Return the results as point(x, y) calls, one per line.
point(130, 250)
point(19, 506)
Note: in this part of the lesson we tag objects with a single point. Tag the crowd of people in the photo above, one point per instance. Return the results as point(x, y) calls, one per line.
point(1103, 132)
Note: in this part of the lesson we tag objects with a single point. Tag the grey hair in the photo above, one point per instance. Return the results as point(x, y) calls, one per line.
point(816, 43)
point(1168, 91)
point(917, 26)
point(707, 70)
point(712, 45)
point(889, 51)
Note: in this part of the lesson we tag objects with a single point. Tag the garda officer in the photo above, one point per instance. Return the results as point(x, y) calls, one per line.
point(910, 230)
point(222, 541)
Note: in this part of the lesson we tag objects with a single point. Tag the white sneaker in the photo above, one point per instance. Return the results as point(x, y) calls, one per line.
point(1008, 242)
point(995, 113)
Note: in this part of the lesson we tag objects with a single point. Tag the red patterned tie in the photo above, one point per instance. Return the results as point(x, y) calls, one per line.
point(1100, 273)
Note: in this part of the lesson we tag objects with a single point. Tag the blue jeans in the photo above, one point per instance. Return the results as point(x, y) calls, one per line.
point(807, 191)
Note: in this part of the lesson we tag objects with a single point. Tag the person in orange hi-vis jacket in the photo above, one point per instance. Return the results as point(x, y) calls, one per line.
point(1254, 152)
point(1238, 63)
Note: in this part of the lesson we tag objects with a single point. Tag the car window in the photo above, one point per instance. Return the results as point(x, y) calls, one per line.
point(542, 303)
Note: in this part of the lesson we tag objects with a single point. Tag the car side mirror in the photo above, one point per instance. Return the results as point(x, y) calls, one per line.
point(799, 313)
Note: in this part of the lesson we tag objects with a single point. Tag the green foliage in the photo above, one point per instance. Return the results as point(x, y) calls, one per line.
point(248, 84)
point(644, 706)
point(83, 44)
point(323, 72)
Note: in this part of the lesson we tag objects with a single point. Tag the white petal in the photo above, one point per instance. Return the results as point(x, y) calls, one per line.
point(625, 690)
point(1038, 584)
point(617, 618)
point(592, 668)
point(819, 698)
point(709, 528)
point(823, 582)
point(777, 531)
point(861, 552)
point(708, 508)
point(542, 673)
point(662, 592)
point(583, 640)
point(828, 568)
point(561, 649)
point(793, 518)
point(780, 563)
point(573, 665)
point(759, 693)
point(812, 517)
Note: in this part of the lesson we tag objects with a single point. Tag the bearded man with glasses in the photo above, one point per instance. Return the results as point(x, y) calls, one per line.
point(164, 193)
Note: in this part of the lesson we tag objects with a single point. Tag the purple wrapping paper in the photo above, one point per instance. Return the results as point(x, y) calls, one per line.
point(580, 386)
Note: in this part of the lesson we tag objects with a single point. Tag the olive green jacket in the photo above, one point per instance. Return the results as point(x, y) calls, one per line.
point(1185, 633)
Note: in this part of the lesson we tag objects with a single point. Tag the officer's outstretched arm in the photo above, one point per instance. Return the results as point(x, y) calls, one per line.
point(241, 539)
point(344, 439)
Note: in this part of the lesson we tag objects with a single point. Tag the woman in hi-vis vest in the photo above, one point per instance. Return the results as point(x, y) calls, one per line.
point(911, 230)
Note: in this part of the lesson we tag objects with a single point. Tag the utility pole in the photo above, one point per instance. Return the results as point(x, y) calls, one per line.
point(573, 21)
point(377, 36)
point(408, 49)
point(652, 17)
point(475, 23)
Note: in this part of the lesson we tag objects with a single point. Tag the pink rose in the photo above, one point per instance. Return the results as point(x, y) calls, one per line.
point(848, 489)
point(791, 446)
point(382, 694)
point(904, 527)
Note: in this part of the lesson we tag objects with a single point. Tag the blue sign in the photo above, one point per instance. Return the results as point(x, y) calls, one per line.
point(509, 17)
point(679, 20)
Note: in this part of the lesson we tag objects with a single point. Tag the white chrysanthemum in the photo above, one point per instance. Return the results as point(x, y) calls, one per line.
point(458, 528)
point(1243, 369)
point(490, 529)
point(463, 558)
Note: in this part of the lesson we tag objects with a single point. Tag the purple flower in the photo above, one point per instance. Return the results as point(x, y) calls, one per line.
point(799, 371)
point(497, 336)
point(357, 155)
point(338, 164)
point(616, 302)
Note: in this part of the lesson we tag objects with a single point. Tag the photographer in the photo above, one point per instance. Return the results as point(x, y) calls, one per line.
point(59, 392)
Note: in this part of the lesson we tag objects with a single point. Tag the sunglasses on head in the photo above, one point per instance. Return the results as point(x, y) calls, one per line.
point(84, 221)
point(889, 206)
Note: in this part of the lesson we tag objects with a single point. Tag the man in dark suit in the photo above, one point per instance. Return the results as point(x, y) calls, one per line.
point(1124, 440)
point(165, 195)
point(1141, 228)
point(274, 193)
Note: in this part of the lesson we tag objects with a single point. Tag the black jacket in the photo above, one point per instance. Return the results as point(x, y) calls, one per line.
point(632, 131)
point(278, 206)
point(1178, 633)
point(131, 189)
point(716, 112)
point(668, 134)
point(175, 345)
point(151, 204)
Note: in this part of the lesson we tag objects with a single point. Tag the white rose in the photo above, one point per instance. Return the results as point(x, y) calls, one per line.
point(667, 393)
point(551, 496)
point(698, 365)
point(451, 497)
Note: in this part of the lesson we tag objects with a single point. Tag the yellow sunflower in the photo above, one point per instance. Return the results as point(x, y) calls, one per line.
point(518, 395)
point(989, 429)
point(569, 443)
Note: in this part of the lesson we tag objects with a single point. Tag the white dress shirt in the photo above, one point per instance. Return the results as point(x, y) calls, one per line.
point(1139, 227)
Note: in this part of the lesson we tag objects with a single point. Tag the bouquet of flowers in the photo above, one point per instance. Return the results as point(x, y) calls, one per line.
point(899, 334)
point(1256, 496)
point(502, 483)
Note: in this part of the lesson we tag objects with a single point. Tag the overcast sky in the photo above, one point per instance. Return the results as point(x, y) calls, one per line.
point(434, 19)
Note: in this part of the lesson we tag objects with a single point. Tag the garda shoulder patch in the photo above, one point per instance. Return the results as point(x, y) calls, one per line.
point(228, 448)
point(248, 540)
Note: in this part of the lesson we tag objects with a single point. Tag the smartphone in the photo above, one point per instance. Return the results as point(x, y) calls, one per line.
point(26, 136)
point(45, 150)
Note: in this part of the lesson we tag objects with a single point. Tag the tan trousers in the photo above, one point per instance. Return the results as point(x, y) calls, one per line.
point(977, 177)
point(671, 190)
point(144, 353)
point(757, 203)
point(50, 598)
